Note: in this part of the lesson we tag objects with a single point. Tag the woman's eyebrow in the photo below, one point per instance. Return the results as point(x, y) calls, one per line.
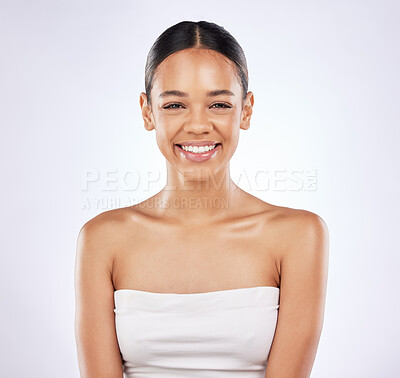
point(216, 92)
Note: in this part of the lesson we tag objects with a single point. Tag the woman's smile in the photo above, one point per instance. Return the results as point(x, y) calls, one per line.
point(198, 151)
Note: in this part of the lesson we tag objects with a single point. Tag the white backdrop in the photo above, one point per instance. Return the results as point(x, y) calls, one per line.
point(325, 76)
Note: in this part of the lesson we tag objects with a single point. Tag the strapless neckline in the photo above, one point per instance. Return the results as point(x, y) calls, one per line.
point(202, 293)
point(218, 299)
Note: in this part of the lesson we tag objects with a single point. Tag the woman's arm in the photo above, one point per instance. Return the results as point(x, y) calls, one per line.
point(96, 340)
point(304, 272)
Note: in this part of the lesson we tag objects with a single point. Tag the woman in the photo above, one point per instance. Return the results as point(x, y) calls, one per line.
point(202, 279)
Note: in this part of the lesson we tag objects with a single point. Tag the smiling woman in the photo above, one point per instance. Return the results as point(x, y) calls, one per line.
point(211, 282)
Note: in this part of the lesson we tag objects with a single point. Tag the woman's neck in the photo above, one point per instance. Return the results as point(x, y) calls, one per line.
point(199, 195)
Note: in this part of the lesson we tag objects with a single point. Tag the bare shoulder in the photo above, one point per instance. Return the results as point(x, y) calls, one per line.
point(106, 226)
point(305, 226)
point(97, 241)
point(106, 220)
point(294, 227)
point(104, 234)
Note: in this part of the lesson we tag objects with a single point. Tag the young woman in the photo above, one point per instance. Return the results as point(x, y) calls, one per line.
point(202, 279)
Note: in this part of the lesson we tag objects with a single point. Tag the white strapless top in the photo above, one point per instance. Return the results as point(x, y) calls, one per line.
point(225, 333)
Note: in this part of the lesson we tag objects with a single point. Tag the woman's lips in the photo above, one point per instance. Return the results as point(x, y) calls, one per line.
point(199, 156)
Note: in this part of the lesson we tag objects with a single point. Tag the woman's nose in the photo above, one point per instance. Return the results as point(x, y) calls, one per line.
point(198, 122)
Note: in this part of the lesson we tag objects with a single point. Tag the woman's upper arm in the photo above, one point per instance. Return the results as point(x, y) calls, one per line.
point(304, 271)
point(96, 340)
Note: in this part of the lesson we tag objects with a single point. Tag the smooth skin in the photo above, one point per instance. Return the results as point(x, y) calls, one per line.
point(170, 244)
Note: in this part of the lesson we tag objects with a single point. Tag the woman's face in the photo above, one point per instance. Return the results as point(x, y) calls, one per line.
point(197, 111)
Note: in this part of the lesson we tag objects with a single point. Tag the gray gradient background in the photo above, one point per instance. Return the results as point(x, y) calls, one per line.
point(325, 76)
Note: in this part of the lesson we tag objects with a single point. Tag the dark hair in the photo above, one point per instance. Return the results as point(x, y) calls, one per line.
point(203, 35)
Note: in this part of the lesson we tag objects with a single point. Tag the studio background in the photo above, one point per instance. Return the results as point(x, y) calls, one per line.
point(324, 137)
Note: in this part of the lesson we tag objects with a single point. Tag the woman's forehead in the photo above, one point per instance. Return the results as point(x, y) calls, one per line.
point(190, 70)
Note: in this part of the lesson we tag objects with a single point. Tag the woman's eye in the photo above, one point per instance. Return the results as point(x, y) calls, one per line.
point(222, 105)
point(172, 106)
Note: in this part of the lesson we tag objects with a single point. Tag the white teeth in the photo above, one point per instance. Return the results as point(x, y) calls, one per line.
point(197, 149)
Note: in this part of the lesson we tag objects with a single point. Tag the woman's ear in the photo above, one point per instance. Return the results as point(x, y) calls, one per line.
point(146, 112)
point(247, 111)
